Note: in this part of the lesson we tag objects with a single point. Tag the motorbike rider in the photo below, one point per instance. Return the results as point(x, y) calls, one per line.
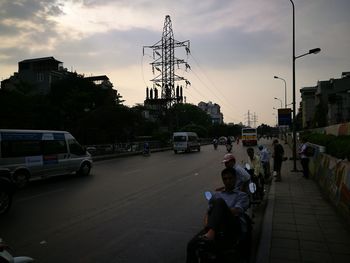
point(146, 148)
point(228, 144)
point(225, 215)
point(243, 177)
point(215, 143)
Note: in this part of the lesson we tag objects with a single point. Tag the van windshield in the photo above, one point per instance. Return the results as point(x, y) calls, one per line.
point(179, 138)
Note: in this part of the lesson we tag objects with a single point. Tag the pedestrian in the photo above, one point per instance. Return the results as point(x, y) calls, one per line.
point(304, 159)
point(278, 153)
point(265, 160)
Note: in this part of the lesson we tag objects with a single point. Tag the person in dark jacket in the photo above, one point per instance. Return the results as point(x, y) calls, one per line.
point(278, 153)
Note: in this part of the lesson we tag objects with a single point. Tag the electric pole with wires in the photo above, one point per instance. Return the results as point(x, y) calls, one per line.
point(163, 66)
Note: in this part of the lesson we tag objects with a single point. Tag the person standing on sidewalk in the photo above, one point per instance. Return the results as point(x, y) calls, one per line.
point(278, 153)
point(265, 160)
point(304, 159)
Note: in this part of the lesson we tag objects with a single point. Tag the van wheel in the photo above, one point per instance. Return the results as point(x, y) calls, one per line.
point(21, 178)
point(84, 169)
point(199, 149)
point(175, 151)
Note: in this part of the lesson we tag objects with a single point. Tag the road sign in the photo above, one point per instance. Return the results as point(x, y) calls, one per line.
point(284, 117)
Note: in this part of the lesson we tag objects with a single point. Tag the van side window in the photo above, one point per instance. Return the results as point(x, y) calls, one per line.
point(192, 138)
point(54, 147)
point(75, 147)
point(179, 138)
point(20, 148)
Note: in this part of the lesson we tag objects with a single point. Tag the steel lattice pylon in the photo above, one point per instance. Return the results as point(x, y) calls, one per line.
point(164, 62)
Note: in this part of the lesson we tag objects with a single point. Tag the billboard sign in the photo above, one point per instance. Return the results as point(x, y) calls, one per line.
point(284, 117)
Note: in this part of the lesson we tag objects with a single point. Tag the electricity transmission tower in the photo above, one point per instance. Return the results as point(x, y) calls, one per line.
point(163, 66)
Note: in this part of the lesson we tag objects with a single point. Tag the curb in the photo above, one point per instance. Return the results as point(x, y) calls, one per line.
point(97, 158)
point(263, 254)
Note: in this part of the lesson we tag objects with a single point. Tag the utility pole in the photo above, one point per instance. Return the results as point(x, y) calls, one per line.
point(163, 67)
point(255, 120)
point(248, 119)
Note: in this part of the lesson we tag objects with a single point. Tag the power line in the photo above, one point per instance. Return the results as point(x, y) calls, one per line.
point(227, 103)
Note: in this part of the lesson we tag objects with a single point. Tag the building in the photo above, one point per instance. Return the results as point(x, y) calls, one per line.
point(330, 100)
point(308, 105)
point(213, 110)
point(101, 81)
point(38, 73)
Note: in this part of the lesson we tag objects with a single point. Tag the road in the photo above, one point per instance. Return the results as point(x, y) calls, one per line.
point(133, 209)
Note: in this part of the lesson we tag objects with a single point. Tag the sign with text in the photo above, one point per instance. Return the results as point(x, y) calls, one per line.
point(284, 117)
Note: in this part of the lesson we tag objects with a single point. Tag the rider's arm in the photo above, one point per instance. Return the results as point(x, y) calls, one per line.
point(241, 205)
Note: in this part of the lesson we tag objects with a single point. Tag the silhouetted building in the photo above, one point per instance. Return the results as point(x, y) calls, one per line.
point(38, 73)
point(213, 110)
point(332, 96)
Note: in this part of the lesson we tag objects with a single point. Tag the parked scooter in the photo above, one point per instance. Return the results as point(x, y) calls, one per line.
point(223, 249)
point(6, 255)
point(258, 182)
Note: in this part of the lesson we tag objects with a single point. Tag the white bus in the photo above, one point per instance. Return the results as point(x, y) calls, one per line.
point(186, 141)
point(249, 136)
point(40, 153)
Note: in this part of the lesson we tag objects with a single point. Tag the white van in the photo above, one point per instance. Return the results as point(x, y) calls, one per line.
point(39, 153)
point(185, 141)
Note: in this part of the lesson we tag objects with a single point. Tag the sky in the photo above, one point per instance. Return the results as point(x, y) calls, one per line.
point(237, 46)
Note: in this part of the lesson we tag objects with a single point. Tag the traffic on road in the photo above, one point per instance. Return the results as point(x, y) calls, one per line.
point(126, 209)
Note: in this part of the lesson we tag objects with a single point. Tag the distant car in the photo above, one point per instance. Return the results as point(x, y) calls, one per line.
point(91, 149)
point(7, 189)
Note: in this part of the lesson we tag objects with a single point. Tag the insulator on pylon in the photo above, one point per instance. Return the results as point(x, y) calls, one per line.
point(151, 94)
point(177, 91)
point(155, 93)
point(147, 90)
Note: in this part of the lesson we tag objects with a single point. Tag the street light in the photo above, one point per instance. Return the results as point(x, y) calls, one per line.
point(311, 51)
point(285, 90)
point(279, 100)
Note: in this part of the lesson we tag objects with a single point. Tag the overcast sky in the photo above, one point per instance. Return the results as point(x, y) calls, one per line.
point(237, 46)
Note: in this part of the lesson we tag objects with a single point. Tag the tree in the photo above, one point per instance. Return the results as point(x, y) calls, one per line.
point(181, 115)
point(320, 117)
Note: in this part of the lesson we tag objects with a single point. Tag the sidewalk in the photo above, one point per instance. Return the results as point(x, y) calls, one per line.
point(299, 224)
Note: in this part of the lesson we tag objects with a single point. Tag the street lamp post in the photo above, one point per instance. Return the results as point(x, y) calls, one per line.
point(311, 51)
point(285, 90)
point(279, 100)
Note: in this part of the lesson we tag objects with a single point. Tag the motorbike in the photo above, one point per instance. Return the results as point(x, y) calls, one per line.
point(215, 144)
point(229, 147)
point(258, 182)
point(7, 189)
point(146, 150)
point(225, 249)
point(6, 255)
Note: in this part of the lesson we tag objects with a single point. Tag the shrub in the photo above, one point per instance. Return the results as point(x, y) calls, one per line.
point(337, 146)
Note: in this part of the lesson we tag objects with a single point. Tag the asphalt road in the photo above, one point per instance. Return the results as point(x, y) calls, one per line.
point(132, 209)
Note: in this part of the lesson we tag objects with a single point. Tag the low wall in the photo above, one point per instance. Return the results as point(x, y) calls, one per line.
point(333, 176)
point(337, 129)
